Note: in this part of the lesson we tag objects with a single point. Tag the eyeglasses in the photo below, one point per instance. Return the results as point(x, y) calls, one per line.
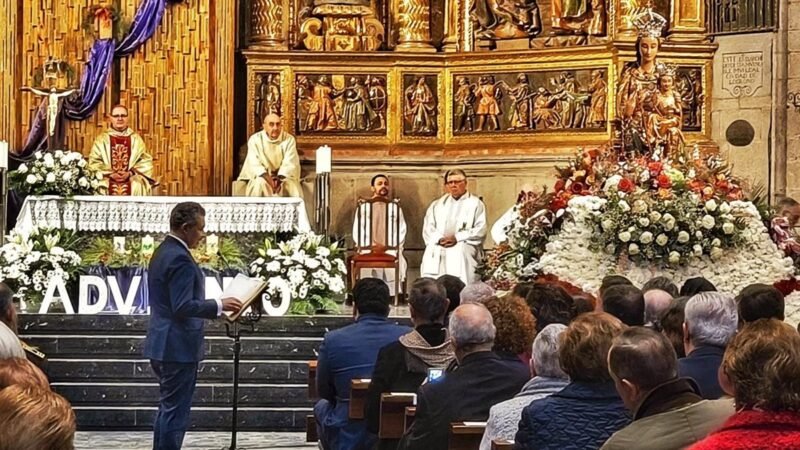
point(454, 182)
point(119, 116)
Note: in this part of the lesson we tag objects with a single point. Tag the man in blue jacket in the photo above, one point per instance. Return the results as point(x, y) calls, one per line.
point(178, 305)
point(349, 353)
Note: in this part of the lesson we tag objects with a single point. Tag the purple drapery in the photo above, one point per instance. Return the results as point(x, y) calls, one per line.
point(96, 71)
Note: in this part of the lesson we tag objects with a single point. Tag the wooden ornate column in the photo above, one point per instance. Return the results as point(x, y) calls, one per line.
point(414, 26)
point(687, 20)
point(623, 14)
point(268, 29)
point(451, 20)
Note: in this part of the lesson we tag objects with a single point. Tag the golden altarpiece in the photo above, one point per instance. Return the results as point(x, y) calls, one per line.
point(383, 78)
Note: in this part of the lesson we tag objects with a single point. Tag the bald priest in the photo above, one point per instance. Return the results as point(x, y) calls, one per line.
point(272, 166)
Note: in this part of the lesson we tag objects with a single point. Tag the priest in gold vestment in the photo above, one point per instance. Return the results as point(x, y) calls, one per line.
point(272, 166)
point(121, 157)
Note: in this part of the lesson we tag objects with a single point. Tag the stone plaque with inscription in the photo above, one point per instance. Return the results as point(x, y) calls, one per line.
point(742, 73)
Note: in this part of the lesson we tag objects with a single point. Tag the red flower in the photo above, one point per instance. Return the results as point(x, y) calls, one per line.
point(558, 203)
point(696, 185)
point(655, 168)
point(787, 286)
point(577, 187)
point(723, 185)
point(625, 185)
point(664, 182)
point(560, 185)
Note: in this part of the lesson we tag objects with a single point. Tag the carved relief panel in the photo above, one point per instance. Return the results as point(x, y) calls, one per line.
point(340, 103)
point(420, 105)
point(267, 96)
point(689, 84)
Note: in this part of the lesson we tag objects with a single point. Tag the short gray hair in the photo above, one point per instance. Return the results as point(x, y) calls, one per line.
point(471, 324)
point(711, 318)
point(476, 293)
point(545, 352)
point(186, 213)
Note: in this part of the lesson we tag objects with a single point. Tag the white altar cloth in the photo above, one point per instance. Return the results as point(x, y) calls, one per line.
point(151, 214)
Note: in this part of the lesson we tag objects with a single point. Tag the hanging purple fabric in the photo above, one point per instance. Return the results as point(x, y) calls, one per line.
point(96, 72)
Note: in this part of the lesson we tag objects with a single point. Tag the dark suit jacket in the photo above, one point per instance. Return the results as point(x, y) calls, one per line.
point(479, 382)
point(702, 365)
point(177, 305)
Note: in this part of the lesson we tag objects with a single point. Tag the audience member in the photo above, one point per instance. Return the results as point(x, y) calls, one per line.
point(668, 412)
point(521, 290)
point(760, 370)
point(476, 293)
point(349, 353)
point(625, 302)
point(613, 280)
point(466, 393)
point(672, 324)
point(550, 304)
point(516, 329)
point(20, 371)
point(656, 303)
point(696, 285)
point(709, 324)
point(584, 304)
point(403, 365)
point(759, 301)
point(588, 411)
point(10, 346)
point(35, 419)
point(663, 284)
point(8, 314)
point(453, 286)
point(548, 378)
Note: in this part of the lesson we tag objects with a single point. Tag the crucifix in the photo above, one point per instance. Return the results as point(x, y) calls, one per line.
point(54, 97)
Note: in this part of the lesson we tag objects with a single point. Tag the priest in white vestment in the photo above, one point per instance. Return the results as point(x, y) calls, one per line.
point(374, 222)
point(454, 231)
point(121, 157)
point(272, 166)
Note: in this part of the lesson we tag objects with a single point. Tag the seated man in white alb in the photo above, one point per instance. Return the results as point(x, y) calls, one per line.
point(454, 231)
point(272, 167)
point(375, 235)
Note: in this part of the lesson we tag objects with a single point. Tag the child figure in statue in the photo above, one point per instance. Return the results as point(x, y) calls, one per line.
point(665, 120)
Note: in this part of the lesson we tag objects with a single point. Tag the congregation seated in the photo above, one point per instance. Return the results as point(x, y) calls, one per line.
point(477, 292)
point(10, 345)
point(402, 366)
point(671, 322)
point(696, 285)
point(547, 379)
point(516, 329)
point(522, 289)
point(550, 304)
point(662, 284)
point(759, 370)
point(760, 301)
point(588, 410)
point(35, 418)
point(613, 280)
point(272, 165)
point(668, 412)
point(453, 286)
point(350, 353)
point(20, 371)
point(625, 302)
point(709, 324)
point(656, 303)
point(466, 393)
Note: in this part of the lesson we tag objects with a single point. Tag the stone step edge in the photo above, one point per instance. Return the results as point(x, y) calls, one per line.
point(199, 384)
point(194, 408)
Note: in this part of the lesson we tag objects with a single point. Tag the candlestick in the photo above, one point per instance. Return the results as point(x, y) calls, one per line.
point(323, 157)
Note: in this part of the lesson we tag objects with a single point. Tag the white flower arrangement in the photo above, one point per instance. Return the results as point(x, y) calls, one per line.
point(307, 268)
point(61, 172)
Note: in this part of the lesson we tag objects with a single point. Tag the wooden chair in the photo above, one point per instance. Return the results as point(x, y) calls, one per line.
point(366, 254)
point(358, 397)
point(466, 435)
point(502, 444)
point(312, 380)
point(411, 414)
point(393, 414)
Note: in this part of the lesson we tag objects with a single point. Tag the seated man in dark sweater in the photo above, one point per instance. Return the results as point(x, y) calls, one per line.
point(403, 365)
point(466, 393)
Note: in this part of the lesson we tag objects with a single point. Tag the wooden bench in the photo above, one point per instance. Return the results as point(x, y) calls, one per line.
point(312, 380)
point(502, 444)
point(411, 413)
point(358, 397)
point(393, 414)
point(466, 435)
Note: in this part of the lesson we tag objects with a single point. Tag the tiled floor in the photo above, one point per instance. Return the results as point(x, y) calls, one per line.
point(96, 440)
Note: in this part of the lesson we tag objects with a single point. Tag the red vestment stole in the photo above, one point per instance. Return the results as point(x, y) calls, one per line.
point(120, 159)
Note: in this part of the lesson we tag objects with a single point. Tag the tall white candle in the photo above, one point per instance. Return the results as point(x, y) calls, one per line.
point(323, 157)
point(3, 155)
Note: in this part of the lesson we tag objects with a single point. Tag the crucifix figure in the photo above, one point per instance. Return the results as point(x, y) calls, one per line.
point(54, 97)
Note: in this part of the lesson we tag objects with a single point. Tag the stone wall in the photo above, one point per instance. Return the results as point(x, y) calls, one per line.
point(792, 129)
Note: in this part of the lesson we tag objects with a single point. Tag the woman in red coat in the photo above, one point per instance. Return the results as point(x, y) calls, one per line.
point(761, 370)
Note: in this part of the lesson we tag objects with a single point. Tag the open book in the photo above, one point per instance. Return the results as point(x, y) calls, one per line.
point(244, 289)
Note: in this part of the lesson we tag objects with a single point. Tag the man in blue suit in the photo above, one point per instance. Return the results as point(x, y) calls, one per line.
point(178, 305)
point(348, 353)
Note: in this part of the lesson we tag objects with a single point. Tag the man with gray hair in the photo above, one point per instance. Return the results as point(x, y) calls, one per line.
point(548, 378)
point(475, 293)
point(466, 392)
point(668, 412)
point(710, 322)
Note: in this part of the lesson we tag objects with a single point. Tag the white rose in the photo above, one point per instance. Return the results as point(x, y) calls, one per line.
point(273, 266)
point(82, 163)
point(611, 183)
point(624, 236)
point(698, 234)
point(644, 176)
point(655, 216)
point(623, 205)
point(83, 182)
point(611, 248)
point(67, 176)
point(728, 228)
point(59, 153)
point(30, 179)
point(48, 160)
point(607, 224)
point(668, 226)
point(633, 249)
point(711, 205)
point(639, 206)
point(724, 208)
point(646, 237)
point(662, 239)
point(674, 257)
point(716, 242)
point(716, 253)
point(644, 222)
point(51, 177)
point(683, 237)
point(22, 168)
point(697, 250)
point(708, 222)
